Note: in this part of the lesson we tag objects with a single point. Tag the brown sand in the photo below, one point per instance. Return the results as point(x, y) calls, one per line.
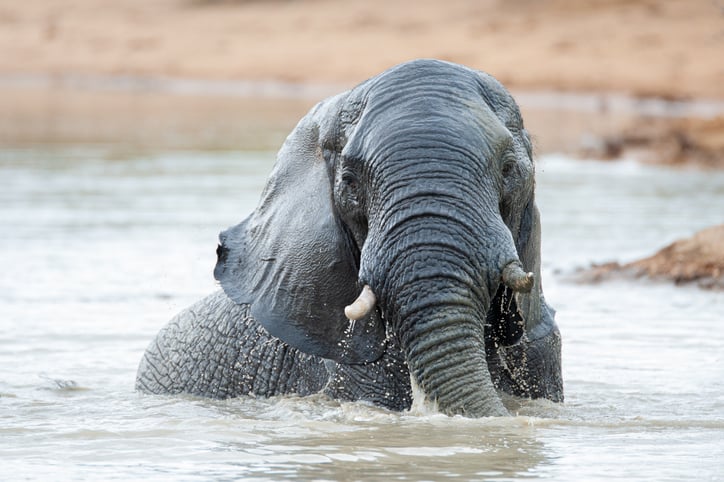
point(670, 48)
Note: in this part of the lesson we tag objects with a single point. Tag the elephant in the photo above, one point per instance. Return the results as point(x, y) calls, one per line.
point(395, 250)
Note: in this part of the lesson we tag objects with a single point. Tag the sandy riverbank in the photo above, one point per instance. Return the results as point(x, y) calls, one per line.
point(697, 260)
point(642, 48)
point(670, 49)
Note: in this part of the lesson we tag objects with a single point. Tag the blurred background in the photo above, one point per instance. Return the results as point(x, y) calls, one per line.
point(133, 131)
point(210, 73)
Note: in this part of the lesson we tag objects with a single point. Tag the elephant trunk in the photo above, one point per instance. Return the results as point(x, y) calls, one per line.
point(434, 276)
point(442, 336)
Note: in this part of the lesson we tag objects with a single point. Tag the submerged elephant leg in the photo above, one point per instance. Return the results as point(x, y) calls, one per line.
point(216, 349)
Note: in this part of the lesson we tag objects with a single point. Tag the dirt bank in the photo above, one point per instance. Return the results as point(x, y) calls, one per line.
point(673, 142)
point(670, 49)
point(647, 48)
point(696, 260)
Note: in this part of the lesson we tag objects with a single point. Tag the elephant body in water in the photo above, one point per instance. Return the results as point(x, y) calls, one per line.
point(397, 241)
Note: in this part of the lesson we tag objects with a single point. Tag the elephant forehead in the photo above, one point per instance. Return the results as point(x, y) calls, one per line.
point(459, 127)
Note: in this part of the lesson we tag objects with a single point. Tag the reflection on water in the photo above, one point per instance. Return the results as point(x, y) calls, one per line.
point(99, 251)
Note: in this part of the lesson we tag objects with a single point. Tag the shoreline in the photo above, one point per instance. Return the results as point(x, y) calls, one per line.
point(599, 125)
point(588, 74)
point(537, 98)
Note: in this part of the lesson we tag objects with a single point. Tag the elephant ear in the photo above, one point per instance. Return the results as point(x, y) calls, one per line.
point(291, 260)
point(537, 315)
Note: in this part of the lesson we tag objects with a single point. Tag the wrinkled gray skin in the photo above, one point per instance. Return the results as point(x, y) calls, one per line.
point(418, 182)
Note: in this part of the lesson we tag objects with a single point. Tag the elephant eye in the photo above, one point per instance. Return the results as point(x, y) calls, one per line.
point(510, 164)
point(349, 190)
point(350, 181)
point(507, 168)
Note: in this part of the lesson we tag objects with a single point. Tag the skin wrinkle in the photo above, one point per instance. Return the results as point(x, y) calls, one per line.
point(222, 381)
point(439, 274)
point(458, 309)
point(276, 367)
point(401, 270)
point(439, 175)
point(425, 218)
point(430, 357)
point(420, 323)
point(219, 371)
point(227, 348)
point(400, 155)
point(416, 228)
point(456, 298)
point(458, 213)
point(433, 112)
point(261, 384)
point(199, 363)
point(391, 194)
point(475, 252)
point(284, 370)
point(391, 91)
point(436, 368)
point(154, 370)
point(439, 180)
point(272, 373)
point(436, 143)
point(456, 387)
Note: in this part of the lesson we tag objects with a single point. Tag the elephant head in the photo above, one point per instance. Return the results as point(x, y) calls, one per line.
point(415, 189)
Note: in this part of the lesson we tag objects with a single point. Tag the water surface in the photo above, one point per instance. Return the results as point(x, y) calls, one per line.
point(99, 250)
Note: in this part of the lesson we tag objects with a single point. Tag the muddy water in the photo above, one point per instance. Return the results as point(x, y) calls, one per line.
point(99, 250)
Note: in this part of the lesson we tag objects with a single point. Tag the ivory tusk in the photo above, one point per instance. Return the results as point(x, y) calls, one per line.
point(515, 278)
point(364, 303)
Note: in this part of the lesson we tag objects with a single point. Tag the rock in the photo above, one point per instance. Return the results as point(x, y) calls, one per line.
point(698, 259)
